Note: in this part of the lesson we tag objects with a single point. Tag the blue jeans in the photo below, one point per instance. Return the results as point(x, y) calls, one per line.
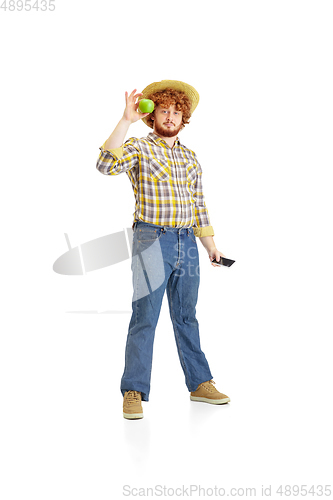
point(163, 257)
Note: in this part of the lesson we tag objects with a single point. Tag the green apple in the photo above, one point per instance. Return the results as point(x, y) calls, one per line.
point(146, 106)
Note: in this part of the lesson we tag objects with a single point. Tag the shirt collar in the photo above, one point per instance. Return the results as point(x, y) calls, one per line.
point(158, 139)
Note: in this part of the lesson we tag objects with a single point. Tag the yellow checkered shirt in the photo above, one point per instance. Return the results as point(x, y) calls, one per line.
point(167, 182)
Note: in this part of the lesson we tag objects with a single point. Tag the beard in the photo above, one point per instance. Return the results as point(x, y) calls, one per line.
point(165, 131)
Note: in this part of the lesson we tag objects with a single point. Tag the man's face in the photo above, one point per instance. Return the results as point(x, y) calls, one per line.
point(167, 121)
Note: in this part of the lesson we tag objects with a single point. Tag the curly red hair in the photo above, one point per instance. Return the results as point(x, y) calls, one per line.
point(166, 98)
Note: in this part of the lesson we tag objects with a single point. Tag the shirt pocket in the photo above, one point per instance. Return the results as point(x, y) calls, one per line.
point(191, 175)
point(158, 171)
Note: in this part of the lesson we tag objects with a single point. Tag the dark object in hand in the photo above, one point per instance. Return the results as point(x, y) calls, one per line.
point(224, 262)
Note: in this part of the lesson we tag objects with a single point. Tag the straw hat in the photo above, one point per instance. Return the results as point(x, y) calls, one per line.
point(189, 91)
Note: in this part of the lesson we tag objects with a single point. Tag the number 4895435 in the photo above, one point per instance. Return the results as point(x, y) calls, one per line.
point(19, 5)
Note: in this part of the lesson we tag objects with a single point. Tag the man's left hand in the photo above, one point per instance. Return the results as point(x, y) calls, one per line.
point(215, 254)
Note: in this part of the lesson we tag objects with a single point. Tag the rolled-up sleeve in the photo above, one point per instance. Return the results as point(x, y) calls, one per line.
point(118, 160)
point(202, 225)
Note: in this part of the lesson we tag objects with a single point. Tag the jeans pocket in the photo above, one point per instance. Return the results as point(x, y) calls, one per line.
point(148, 235)
point(192, 236)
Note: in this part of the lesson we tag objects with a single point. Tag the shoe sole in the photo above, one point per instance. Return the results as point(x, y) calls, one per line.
point(211, 401)
point(132, 416)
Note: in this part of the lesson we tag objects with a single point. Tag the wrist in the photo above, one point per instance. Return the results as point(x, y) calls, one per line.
point(211, 249)
point(125, 122)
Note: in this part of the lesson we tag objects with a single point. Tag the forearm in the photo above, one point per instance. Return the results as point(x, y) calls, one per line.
point(208, 243)
point(116, 139)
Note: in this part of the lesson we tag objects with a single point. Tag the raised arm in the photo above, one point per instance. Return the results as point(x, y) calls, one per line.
point(115, 157)
point(130, 116)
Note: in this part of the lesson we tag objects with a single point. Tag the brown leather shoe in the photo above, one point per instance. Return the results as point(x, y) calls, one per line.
point(132, 408)
point(207, 393)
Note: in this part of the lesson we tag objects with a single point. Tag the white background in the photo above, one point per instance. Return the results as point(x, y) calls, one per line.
point(263, 135)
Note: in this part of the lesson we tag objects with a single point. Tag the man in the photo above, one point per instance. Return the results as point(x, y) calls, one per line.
point(170, 212)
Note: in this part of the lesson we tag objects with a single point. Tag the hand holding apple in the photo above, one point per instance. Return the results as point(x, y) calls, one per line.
point(131, 113)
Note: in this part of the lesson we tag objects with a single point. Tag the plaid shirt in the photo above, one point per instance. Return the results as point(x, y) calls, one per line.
point(166, 182)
